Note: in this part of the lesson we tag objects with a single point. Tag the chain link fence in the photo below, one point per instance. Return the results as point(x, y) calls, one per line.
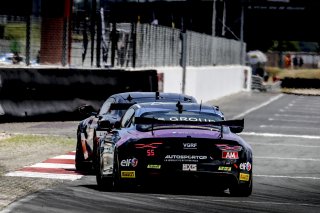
point(147, 45)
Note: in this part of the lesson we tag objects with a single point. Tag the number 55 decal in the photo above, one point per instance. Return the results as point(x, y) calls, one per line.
point(150, 152)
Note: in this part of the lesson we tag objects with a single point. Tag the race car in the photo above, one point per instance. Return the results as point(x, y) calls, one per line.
point(90, 129)
point(163, 142)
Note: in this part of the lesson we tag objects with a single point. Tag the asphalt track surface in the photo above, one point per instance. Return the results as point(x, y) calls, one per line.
point(283, 131)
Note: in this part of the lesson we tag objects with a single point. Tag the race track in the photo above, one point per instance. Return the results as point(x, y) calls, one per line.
point(284, 133)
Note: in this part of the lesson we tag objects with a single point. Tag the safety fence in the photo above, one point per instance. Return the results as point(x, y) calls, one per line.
point(62, 42)
point(147, 45)
point(19, 37)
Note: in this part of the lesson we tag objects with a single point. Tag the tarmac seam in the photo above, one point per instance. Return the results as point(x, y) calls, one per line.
point(257, 107)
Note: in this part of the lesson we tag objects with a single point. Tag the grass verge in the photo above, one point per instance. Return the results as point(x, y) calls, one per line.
point(293, 73)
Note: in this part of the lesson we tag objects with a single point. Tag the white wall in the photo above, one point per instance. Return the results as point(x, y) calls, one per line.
point(207, 83)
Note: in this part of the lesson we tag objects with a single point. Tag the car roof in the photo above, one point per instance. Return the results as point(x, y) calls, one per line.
point(157, 96)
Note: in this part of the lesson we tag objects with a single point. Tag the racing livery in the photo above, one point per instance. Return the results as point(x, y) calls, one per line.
point(90, 129)
point(167, 141)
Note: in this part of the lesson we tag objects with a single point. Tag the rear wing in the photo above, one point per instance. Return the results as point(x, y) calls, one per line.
point(236, 126)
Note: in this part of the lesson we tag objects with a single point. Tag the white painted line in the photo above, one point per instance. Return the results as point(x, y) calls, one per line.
point(284, 144)
point(280, 135)
point(44, 175)
point(54, 165)
point(298, 116)
point(294, 120)
point(308, 108)
point(299, 111)
point(281, 158)
point(289, 127)
point(242, 201)
point(289, 177)
point(257, 107)
point(69, 157)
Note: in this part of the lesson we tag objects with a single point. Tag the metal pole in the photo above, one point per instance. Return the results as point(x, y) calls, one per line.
point(214, 17)
point(93, 27)
point(99, 36)
point(224, 19)
point(28, 38)
point(184, 61)
point(64, 42)
point(241, 36)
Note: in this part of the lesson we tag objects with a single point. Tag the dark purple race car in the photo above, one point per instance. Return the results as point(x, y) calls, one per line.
point(163, 142)
point(90, 129)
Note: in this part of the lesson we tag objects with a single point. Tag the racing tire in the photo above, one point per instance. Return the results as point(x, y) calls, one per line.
point(241, 190)
point(106, 183)
point(95, 157)
point(79, 158)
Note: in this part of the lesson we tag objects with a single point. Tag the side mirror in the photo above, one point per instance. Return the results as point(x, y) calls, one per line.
point(236, 129)
point(87, 110)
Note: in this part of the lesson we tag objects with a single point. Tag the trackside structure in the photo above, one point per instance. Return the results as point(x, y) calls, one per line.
point(85, 35)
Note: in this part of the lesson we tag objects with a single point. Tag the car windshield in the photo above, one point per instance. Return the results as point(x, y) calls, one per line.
point(172, 119)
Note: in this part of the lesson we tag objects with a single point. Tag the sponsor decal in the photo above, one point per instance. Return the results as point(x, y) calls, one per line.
point(186, 119)
point(189, 167)
point(129, 162)
point(128, 174)
point(230, 155)
point(226, 147)
point(186, 158)
point(152, 166)
point(224, 168)
point(245, 166)
point(189, 145)
point(244, 176)
point(150, 152)
point(108, 148)
point(101, 133)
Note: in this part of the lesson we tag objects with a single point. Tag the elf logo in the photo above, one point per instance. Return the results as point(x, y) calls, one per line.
point(230, 155)
point(129, 162)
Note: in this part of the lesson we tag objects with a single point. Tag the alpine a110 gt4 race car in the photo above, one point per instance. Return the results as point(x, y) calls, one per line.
point(161, 142)
point(90, 129)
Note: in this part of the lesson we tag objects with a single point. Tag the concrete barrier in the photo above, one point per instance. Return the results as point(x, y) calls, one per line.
point(55, 93)
point(207, 83)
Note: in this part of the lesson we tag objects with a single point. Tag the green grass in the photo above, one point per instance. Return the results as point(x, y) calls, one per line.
point(295, 73)
point(23, 150)
point(28, 139)
point(48, 145)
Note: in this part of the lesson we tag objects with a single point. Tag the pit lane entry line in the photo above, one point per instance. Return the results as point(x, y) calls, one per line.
point(242, 201)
